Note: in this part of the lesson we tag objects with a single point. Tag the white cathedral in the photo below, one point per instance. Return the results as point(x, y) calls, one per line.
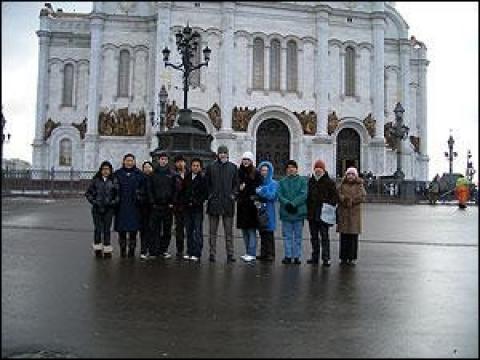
point(286, 80)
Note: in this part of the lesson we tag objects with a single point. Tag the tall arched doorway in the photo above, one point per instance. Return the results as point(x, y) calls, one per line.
point(348, 150)
point(273, 144)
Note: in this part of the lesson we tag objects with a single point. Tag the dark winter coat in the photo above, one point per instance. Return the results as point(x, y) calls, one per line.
point(180, 199)
point(127, 217)
point(246, 210)
point(142, 199)
point(103, 194)
point(268, 194)
point(351, 196)
point(196, 192)
point(222, 181)
point(320, 191)
point(162, 188)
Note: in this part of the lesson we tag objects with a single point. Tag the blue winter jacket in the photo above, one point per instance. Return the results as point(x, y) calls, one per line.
point(268, 193)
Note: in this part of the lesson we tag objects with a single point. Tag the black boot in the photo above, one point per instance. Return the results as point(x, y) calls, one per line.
point(230, 259)
point(131, 252)
point(287, 261)
point(312, 261)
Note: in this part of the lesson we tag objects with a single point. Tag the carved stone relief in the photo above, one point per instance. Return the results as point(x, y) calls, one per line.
point(121, 123)
point(82, 128)
point(172, 111)
point(370, 124)
point(215, 115)
point(332, 123)
point(241, 117)
point(388, 134)
point(50, 125)
point(308, 121)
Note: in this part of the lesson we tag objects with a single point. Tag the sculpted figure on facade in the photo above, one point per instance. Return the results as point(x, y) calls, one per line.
point(333, 123)
point(215, 115)
point(121, 123)
point(241, 117)
point(370, 124)
point(82, 128)
point(388, 134)
point(50, 125)
point(172, 110)
point(308, 121)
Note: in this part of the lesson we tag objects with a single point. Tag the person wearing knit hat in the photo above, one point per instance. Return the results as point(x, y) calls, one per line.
point(248, 155)
point(222, 180)
point(321, 194)
point(349, 220)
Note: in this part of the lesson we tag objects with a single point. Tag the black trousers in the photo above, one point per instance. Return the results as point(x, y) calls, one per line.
point(146, 240)
point(267, 244)
point(180, 230)
point(102, 222)
point(132, 239)
point(162, 220)
point(348, 246)
point(315, 228)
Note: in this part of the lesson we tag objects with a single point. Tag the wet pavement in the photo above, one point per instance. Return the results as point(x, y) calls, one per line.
point(413, 293)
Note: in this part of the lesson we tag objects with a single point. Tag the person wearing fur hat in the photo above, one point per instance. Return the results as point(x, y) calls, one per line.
point(103, 194)
point(321, 190)
point(351, 194)
point(249, 179)
point(222, 180)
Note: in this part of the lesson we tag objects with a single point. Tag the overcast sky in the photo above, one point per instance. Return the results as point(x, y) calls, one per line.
point(448, 29)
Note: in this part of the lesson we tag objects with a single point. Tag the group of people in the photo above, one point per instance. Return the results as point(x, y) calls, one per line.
point(151, 200)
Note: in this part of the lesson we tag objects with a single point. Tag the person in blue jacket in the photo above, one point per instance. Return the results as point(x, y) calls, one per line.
point(267, 193)
point(127, 218)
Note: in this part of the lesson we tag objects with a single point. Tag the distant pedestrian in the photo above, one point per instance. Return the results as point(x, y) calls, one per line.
point(434, 190)
point(222, 180)
point(267, 193)
point(181, 173)
point(196, 192)
point(292, 195)
point(161, 195)
point(127, 217)
point(145, 213)
point(351, 194)
point(321, 190)
point(249, 179)
point(103, 194)
point(462, 192)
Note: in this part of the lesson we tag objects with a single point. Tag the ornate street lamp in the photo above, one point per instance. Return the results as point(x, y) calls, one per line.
point(5, 137)
point(399, 133)
point(450, 155)
point(185, 139)
point(470, 170)
point(161, 111)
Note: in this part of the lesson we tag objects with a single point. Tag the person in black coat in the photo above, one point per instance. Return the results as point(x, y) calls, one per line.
point(321, 189)
point(145, 213)
point(103, 194)
point(249, 179)
point(127, 219)
point(181, 173)
point(195, 194)
point(161, 195)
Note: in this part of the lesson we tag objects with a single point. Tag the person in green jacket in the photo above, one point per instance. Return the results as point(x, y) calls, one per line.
point(292, 195)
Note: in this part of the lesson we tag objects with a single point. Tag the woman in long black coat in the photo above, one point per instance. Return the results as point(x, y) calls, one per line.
point(127, 219)
point(249, 179)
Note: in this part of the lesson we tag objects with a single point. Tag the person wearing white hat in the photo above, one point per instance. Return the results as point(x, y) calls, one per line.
point(249, 179)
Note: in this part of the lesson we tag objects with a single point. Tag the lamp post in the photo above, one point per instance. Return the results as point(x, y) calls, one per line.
point(399, 133)
point(450, 155)
point(185, 139)
point(470, 170)
point(161, 111)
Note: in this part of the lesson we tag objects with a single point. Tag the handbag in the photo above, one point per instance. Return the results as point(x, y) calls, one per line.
point(329, 214)
point(262, 215)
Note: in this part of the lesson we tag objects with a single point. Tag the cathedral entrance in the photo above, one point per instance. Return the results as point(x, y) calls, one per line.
point(348, 151)
point(273, 144)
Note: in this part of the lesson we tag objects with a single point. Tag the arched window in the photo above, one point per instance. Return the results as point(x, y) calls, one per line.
point(258, 63)
point(275, 65)
point(349, 71)
point(67, 85)
point(292, 66)
point(197, 58)
point(65, 152)
point(124, 73)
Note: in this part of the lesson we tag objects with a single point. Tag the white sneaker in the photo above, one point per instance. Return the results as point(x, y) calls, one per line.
point(250, 258)
point(244, 257)
point(186, 257)
point(143, 256)
point(194, 258)
point(166, 255)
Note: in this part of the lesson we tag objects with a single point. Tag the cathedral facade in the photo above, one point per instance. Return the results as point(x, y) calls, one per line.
point(286, 80)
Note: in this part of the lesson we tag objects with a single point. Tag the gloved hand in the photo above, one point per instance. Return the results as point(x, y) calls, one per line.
point(290, 208)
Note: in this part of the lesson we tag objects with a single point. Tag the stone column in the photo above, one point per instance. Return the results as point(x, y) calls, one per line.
point(283, 69)
point(266, 68)
point(321, 73)
point(422, 103)
point(378, 72)
point(91, 137)
point(226, 94)
point(405, 80)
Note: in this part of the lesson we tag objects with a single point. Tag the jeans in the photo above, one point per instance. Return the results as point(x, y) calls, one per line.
point(194, 226)
point(292, 236)
point(102, 223)
point(250, 239)
point(315, 228)
point(227, 227)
